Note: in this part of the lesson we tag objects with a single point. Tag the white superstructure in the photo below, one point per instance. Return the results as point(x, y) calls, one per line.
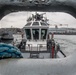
point(36, 30)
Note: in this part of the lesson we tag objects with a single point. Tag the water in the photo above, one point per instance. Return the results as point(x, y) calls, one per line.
point(67, 43)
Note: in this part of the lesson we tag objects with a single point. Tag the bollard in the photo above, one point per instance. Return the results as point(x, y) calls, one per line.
point(53, 50)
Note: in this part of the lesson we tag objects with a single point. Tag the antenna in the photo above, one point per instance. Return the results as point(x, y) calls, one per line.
point(37, 17)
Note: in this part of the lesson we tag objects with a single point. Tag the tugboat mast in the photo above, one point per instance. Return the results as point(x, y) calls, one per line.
point(37, 17)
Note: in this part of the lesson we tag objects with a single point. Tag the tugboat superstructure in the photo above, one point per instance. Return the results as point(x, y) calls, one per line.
point(36, 28)
point(36, 40)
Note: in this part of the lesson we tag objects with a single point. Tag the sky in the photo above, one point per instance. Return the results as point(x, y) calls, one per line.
point(18, 19)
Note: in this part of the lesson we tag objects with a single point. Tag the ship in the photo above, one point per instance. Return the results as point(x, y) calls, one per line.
point(36, 40)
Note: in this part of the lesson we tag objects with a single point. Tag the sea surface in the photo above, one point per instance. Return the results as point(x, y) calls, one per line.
point(67, 43)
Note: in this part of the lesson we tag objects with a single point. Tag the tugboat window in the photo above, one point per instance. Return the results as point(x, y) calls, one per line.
point(43, 33)
point(42, 23)
point(28, 33)
point(11, 0)
point(35, 33)
point(28, 24)
point(35, 23)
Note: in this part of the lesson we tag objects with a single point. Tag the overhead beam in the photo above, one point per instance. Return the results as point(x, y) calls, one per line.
point(53, 6)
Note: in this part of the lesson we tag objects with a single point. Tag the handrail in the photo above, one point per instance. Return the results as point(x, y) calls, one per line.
point(39, 46)
point(62, 53)
point(30, 47)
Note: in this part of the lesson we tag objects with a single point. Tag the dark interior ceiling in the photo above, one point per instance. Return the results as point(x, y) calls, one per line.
point(68, 6)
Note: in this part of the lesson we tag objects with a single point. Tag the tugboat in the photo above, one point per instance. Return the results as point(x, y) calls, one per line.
point(36, 41)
